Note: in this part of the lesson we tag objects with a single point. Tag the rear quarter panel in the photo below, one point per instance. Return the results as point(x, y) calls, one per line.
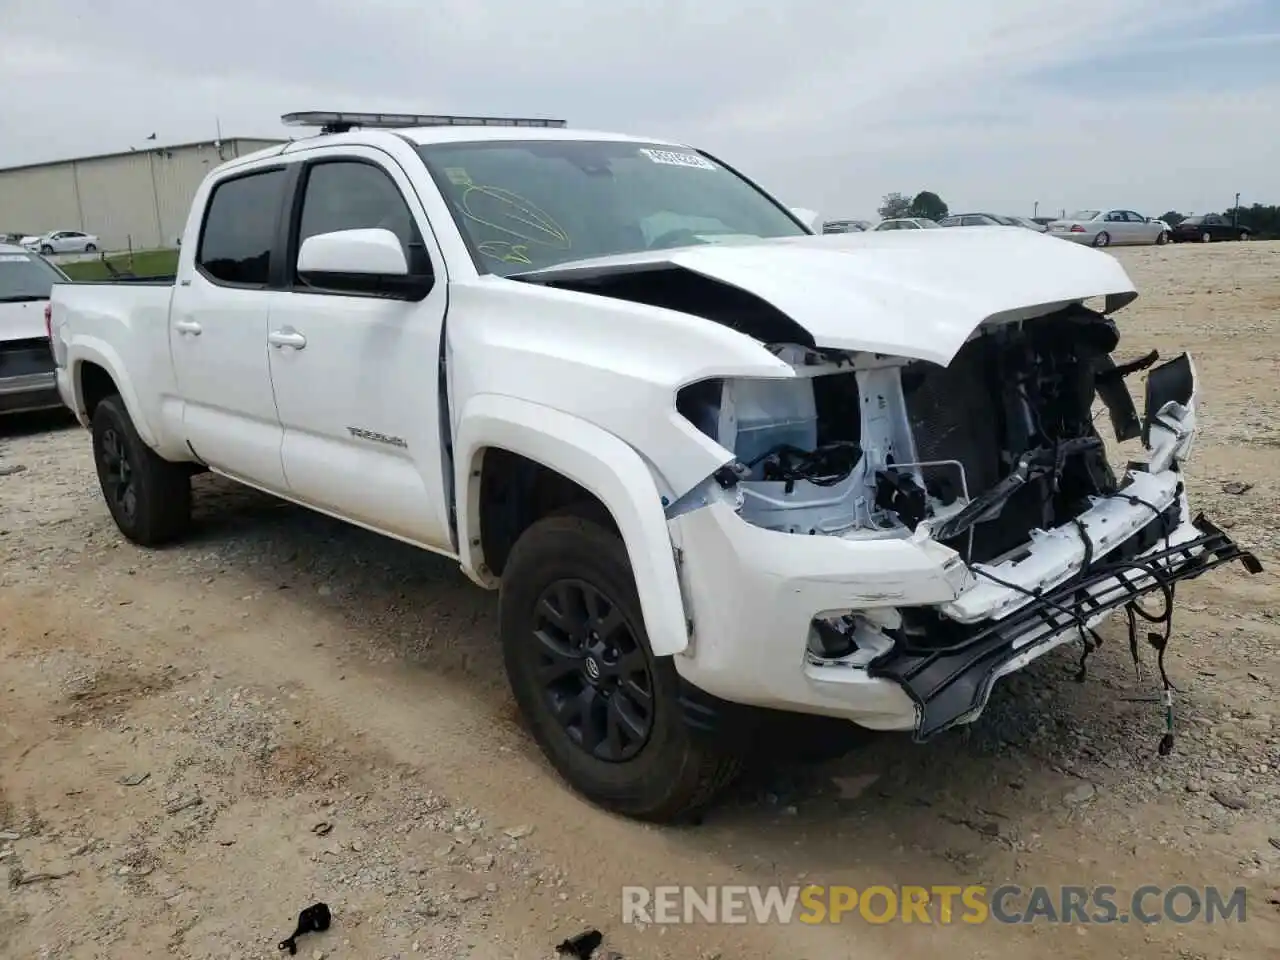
point(123, 328)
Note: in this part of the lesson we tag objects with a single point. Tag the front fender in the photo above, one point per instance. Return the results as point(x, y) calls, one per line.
point(600, 463)
point(85, 349)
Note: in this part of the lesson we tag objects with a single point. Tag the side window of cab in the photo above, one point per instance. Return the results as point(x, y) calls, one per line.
point(239, 228)
point(358, 195)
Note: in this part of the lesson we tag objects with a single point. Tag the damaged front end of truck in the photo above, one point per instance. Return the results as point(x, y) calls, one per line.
point(994, 457)
point(921, 501)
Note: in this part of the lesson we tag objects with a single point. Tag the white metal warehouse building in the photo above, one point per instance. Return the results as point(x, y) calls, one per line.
point(138, 199)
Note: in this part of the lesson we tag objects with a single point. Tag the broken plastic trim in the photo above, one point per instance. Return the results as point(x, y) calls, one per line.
point(948, 683)
point(1171, 382)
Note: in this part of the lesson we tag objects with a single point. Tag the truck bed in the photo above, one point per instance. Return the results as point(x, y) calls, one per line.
point(132, 316)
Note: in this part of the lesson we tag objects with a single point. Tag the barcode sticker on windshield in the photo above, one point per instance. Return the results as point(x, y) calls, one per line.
point(676, 159)
point(13, 258)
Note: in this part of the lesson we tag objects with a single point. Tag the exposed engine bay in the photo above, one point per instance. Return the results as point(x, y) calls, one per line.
point(997, 444)
point(989, 456)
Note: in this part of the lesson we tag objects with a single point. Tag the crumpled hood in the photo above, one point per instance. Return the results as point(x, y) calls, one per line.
point(917, 294)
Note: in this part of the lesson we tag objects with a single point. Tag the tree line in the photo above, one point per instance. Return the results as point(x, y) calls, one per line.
point(1262, 219)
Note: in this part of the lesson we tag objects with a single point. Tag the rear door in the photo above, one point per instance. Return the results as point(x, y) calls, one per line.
point(1115, 227)
point(356, 375)
point(218, 328)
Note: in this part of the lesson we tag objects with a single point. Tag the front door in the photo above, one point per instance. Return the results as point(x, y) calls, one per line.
point(218, 331)
point(356, 376)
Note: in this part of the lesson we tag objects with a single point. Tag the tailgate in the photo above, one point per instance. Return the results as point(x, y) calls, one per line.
point(21, 321)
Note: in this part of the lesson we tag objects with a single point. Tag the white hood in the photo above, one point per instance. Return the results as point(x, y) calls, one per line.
point(917, 293)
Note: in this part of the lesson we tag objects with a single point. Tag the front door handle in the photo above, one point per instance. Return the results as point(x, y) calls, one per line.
point(288, 337)
point(187, 326)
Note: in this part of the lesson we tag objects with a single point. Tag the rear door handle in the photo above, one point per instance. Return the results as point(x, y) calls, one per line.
point(187, 326)
point(287, 337)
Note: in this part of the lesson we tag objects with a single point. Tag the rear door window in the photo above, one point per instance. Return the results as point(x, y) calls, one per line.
point(240, 228)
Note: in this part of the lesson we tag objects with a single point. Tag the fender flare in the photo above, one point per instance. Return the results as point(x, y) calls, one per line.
point(92, 350)
point(599, 462)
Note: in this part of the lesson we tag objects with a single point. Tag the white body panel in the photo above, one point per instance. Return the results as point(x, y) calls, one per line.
point(336, 402)
point(21, 321)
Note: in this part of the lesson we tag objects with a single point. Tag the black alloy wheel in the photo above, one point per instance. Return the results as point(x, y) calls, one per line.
point(117, 476)
point(149, 497)
point(595, 675)
point(611, 717)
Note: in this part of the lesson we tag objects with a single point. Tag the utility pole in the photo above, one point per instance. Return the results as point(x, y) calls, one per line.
point(1235, 213)
point(1036, 212)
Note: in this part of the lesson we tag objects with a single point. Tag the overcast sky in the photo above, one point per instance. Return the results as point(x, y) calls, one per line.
point(994, 104)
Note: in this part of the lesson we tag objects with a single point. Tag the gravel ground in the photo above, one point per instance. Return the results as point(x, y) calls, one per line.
point(196, 743)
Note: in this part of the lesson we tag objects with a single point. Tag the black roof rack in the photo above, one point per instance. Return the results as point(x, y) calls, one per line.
point(333, 121)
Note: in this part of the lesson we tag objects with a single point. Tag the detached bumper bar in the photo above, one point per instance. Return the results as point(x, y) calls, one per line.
point(951, 682)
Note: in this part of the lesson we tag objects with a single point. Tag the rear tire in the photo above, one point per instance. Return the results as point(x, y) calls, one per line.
point(1206, 237)
point(604, 710)
point(1102, 239)
point(1244, 234)
point(149, 497)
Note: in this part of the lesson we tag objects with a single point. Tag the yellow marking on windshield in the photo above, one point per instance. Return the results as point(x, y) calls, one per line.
point(505, 251)
point(532, 225)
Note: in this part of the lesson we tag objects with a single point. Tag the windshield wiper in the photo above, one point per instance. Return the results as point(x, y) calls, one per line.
point(23, 298)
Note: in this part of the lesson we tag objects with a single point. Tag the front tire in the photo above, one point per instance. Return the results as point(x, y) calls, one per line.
point(149, 497)
point(46, 250)
point(602, 707)
point(1162, 239)
point(1244, 235)
point(90, 248)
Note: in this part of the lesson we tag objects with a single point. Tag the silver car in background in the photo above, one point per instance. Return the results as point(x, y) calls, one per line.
point(1105, 228)
point(907, 223)
point(988, 220)
point(27, 377)
point(846, 226)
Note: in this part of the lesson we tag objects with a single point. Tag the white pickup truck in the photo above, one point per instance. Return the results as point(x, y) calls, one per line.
point(726, 472)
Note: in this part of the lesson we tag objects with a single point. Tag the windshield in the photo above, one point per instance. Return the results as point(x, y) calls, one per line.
point(24, 277)
point(531, 204)
point(1082, 215)
point(929, 224)
point(1193, 220)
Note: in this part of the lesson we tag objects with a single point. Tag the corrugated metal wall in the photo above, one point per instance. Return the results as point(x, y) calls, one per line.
point(136, 199)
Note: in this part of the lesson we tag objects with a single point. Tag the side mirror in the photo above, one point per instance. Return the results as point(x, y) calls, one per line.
point(368, 261)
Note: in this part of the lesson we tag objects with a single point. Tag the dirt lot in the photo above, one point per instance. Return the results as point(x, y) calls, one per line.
point(176, 725)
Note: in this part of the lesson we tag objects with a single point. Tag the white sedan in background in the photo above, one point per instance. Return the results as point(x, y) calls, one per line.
point(1104, 228)
point(62, 241)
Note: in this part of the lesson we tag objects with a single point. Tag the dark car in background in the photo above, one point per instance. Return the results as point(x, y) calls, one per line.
point(1209, 227)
